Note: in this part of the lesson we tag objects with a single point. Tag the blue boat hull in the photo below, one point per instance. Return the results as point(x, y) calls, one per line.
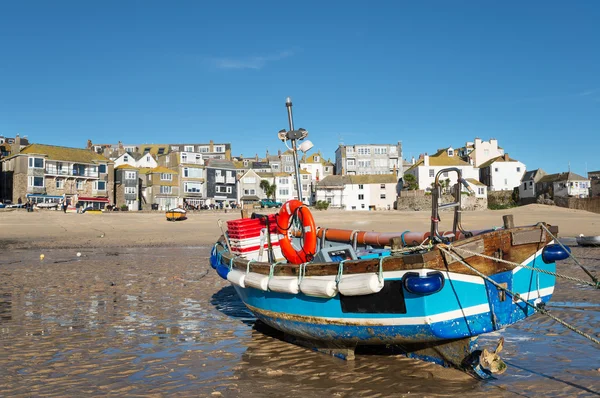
point(465, 307)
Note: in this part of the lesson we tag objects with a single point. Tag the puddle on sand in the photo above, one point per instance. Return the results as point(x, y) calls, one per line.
point(160, 321)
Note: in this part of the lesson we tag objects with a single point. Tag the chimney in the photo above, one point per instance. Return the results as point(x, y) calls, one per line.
point(279, 152)
point(120, 150)
point(211, 146)
point(506, 158)
point(426, 160)
point(89, 145)
point(412, 160)
point(18, 142)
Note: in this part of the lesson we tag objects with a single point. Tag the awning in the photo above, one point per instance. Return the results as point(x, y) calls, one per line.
point(90, 199)
point(250, 198)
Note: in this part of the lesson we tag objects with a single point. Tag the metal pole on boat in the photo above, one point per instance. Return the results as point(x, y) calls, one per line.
point(292, 137)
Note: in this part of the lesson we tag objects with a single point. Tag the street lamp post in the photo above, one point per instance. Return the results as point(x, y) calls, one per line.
point(293, 136)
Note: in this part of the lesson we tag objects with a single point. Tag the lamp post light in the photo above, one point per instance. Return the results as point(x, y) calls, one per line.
point(294, 136)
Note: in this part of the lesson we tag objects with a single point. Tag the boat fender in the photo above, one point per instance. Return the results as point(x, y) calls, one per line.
point(360, 285)
point(214, 260)
point(431, 283)
point(257, 281)
point(555, 252)
point(222, 270)
point(319, 286)
point(284, 284)
point(236, 277)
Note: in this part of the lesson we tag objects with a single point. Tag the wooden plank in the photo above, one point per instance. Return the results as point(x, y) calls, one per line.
point(477, 246)
point(525, 237)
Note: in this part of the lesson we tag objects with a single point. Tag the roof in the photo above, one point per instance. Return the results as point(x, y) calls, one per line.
point(266, 175)
point(568, 176)
point(474, 182)
point(125, 166)
point(220, 164)
point(441, 158)
point(153, 148)
point(533, 174)
point(53, 152)
point(162, 169)
point(334, 181)
point(497, 159)
point(250, 197)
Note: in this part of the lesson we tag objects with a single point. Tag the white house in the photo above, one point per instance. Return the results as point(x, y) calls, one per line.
point(136, 160)
point(564, 184)
point(427, 167)
point(358, 192)
point(528, 183)
point(478, 152)
point(501, 173)
point(477, 187)
point(286, 186)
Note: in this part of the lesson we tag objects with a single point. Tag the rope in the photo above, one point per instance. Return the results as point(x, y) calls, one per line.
point(248, 266)
point(571, 278)
point(340, 271)
point(380, 275)
point(517, 296)
point(596, 282)
point(301, 272)
point(402, 238)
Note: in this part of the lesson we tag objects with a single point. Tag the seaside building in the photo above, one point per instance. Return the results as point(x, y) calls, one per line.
point(127, 187)
point(221, 182)
point(594, 177)
point(563, 185)
point(501, 173)
point(49, 174)
point(527, 188)
point(369, 159)
point(192, 176)
point(427, 167)
point(319, 168)
point(159, 187)
point(358, 192)
point(478, 152)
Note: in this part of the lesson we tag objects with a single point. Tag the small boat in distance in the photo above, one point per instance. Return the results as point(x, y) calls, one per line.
point(583, 240)
point(176, 214)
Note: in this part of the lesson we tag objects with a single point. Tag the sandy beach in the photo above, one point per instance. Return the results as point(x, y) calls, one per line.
point(55, 229)
point(140, 313)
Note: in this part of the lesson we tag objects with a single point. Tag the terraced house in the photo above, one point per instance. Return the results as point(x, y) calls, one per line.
point(189, 164)
point(47, 174)
point(160, 186)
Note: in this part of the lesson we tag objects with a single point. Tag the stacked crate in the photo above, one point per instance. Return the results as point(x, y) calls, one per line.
point(247, 235)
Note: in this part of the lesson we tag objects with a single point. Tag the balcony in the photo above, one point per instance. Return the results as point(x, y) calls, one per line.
point(230, 180)
point(52, 171)
point(220, 180)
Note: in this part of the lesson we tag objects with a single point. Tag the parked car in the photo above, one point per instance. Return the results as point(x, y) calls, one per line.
point(269, 203)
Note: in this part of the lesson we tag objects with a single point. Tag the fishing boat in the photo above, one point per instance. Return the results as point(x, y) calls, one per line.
point(429, 293)
point(176, 214)
point(583, 240)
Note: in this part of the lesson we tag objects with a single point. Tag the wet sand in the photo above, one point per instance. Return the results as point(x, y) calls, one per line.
point(141, 313)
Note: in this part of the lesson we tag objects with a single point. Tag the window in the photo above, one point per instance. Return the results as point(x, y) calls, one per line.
point(481, 190)
point(382, 186)
point(361, 186)
point(305, 187)
point(102, 168)
point(361, 197)
point(431, 173)
point(79, 185)
point(496, 169)
point(326, 169)
point(191, 172)
point(350, 149)
point(36, 163)
point(37, 182)
point(203, 149)
point(130, 175)
point(284, 192)
point(362, 205)
point(161, 151)
point(188, 148)
point(317, 159)
point(222, 189)
point(450, 152)
point(486, 152)
point(283, 181)
point(100, 185)
point(305, 176)
point(166, 177)
point(60, 183)
point(364, 151)
point(249, 192)
point(382, 196)
point(192, 187)
point(328, 200)
point(287, 158)
point(146, 150)
point(125, 158)
point(130, 190)
point(183, 157)
point(505, 181)
point(250, 180)
point(220, 149)
point(166, 189)
point(288, 169)
point(148, 158)
point(364, 163)
point(524, 185)
point(518, 169)
point(530, 183)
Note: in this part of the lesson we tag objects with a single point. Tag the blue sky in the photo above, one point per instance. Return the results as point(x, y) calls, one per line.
point(430, 74)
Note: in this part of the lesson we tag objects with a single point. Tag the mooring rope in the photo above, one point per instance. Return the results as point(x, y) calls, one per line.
point(447, 249)
point(597, 283)
point(571, 278)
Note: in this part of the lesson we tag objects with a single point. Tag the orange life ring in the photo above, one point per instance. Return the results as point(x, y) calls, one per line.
point(306, 252)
